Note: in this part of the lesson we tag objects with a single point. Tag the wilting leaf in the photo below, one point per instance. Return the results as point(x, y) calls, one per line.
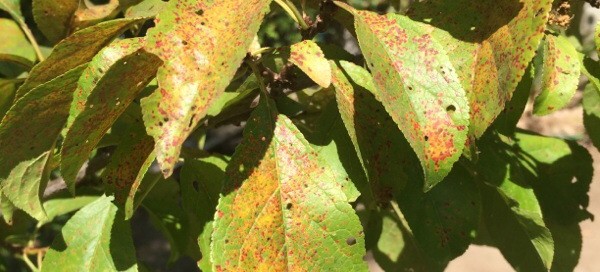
point(310, 59)
point(560, 73)
point(418, 87)
point(511, 211)
point(96, 238)
point(78, 49)
point(106, 88)
point(54, 18)
point(282, 207)
point(202, 45)
point(28, 133)
point(490, 43)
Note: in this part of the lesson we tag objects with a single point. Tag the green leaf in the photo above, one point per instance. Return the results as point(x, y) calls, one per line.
point(25, 185)
point(77, 49)
point(92, 14)
point(307, 55)
point(282, 206)
point(7, 209)
point(419, 88)
point(146, 8)
point(96, 238)
point(591, 116)
point(59, 206)
point(563, 173)
point(8, 88)
point(106, 88)
point(512, 213)
point(560, 73)
point(13, 7)
point(201, 183)
point(443, 220)
point(506, 122)
point(18, 60)
point(490, 43)
point(202, 45)
point(54, 18)
point(28, 133)
point(396, 248)
point(14, 41)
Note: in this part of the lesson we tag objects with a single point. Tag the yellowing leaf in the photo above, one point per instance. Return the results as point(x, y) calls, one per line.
point(418, 87)
point(282, 207)
point(560, 73)
point(106, 88)
point(202, 44)
point(490, 43)
point(310, 59)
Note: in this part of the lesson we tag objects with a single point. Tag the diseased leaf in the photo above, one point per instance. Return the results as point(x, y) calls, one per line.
point(418, 86)
point(591, 116)
point(28, 133)
point(506, 123)
point(375, 136)
point(77, 49)
point(96, 238)
point(560, 73)
point(307, 55)
point(202, 45)
point(282, 208)
point(490, 43)
point(106, 88)
point(54, 18)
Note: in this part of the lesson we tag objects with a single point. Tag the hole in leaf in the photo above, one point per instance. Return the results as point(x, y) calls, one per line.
point(200, 12)
point(184, 42)
point(426, 138)
point(288, 206)
point(451, 109)
point(351, 241)
point(410, 88)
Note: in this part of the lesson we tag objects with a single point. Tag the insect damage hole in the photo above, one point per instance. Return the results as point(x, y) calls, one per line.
point(451, 109)
point(288, 206)
point(351, 241)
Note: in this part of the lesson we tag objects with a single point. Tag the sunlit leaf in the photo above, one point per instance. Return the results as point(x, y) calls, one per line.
point(418, 86)
point(282, 207)
point(77, 49)
point(13, 7)
point(96, 238)
point(310, 59)
point(202, 45)
point(490, 43)
point(60, 206)
point(560, 73)
point(112, 80)
point(146, 8)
